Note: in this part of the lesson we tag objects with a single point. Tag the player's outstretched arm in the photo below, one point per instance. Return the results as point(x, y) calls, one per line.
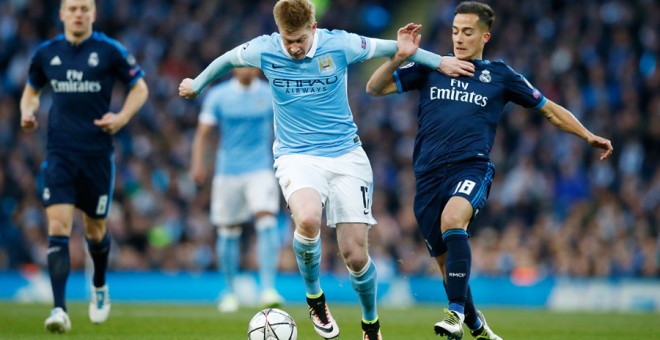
point(111, 123)
point(565, 120)
point(191, 88)
point(449, 66)
point(381, 82)
point(29, 105)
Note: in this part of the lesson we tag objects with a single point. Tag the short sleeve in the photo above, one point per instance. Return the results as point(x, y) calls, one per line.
point(411, 77)
point(126, 68)
point(249, 54)
point(520, 91)
point(36, 75)
point(357, 48)
point(208, 114)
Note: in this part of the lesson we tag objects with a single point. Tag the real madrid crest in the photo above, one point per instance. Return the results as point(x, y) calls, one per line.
point(93, 60)
point(326, 64)
point(485, 76)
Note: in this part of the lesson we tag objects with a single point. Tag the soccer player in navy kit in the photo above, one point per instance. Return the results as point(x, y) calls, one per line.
point(81, 67)
point(319, 161)
point(457, 120)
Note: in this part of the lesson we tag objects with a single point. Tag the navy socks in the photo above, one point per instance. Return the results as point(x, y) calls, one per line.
point(99, 252)
point(59, 266)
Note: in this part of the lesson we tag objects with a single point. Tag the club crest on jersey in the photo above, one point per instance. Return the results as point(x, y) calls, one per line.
point(485, 76)
point(93, 60)
point(326, 65)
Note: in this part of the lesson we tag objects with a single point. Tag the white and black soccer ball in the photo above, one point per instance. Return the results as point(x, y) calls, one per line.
point(272, 324)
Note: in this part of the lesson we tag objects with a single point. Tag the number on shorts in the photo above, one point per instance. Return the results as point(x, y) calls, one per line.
point(465, 187)
point(102, 205)
point(365, 196)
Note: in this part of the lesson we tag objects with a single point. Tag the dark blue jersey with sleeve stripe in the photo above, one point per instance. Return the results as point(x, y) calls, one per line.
point(81, 77)
point(457, 117)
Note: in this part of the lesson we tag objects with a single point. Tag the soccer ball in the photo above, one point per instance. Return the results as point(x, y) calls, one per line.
point(272, 324)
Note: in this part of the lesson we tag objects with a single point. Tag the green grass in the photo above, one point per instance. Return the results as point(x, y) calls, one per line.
point(133, 321)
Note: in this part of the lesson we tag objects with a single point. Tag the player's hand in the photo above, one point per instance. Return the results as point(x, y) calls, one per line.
point(198, 174)
point(407, 41)
point(454, 67)
point(602, 143)
point(186, 90)
point(29, 122)
point(110, 123)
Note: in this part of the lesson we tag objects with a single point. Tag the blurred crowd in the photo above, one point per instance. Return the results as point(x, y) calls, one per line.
point(554, 208)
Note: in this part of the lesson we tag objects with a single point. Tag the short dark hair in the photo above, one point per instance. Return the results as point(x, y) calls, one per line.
point(483, 11)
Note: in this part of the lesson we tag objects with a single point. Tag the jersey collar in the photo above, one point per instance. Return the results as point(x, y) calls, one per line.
point(312, 50)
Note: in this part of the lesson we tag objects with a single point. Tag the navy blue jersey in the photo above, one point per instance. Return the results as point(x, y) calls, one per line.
point(458, 117)
point(81, 78)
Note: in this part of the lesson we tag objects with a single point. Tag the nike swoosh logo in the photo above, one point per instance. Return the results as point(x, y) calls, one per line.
point(366, 212)
point(325, 329)
point(277, 66)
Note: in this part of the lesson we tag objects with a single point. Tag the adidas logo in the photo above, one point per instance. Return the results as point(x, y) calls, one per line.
point(56, 61)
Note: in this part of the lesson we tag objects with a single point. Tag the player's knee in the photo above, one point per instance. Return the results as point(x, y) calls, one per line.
point(355, 258)
point(307, 221)
point(58, 228)
point(452, 221)
point(95, 229)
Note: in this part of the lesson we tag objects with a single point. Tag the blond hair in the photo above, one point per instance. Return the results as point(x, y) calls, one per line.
point(63, 2)
point(294, 15)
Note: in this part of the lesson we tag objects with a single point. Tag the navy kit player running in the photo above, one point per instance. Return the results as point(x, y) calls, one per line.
point(457, 121)
point(319, 161)
point(81, 67)
point(244, 187)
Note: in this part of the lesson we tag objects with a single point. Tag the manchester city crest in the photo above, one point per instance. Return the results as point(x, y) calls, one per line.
point(93, 60)
point(485, 76)
point(326, 65)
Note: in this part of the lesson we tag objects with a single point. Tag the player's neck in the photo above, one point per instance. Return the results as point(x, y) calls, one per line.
point(76, 40)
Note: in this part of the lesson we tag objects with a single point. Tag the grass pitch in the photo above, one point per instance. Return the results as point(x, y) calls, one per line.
point(140, 321)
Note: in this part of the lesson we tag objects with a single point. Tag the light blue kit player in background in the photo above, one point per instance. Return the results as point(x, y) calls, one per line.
point(319, 160)
point(244, 187)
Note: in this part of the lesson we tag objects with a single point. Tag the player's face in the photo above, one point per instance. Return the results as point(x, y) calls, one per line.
point(78, 16)
point(298, 43)
point(469, 36)
point(245, 75)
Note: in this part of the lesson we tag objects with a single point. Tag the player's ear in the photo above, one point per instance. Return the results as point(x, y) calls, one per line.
point(486, 37)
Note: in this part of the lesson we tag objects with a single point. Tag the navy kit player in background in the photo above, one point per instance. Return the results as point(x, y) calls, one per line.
point(244, 187)
point(81, 67)
point(319, 160)
point(457, 121)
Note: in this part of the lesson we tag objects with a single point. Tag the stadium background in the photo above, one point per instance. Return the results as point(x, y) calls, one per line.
point(557, 218)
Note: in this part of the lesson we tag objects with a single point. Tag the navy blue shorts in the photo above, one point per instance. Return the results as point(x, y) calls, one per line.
point(470, 179)
point(84, 181)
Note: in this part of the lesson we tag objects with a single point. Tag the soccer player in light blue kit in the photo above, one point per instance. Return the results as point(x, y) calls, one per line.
point(319, 160)
point(244, 186)
point(457, 122)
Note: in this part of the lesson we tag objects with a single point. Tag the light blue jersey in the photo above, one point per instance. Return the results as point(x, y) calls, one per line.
point(312, 115)
point(244, 117)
